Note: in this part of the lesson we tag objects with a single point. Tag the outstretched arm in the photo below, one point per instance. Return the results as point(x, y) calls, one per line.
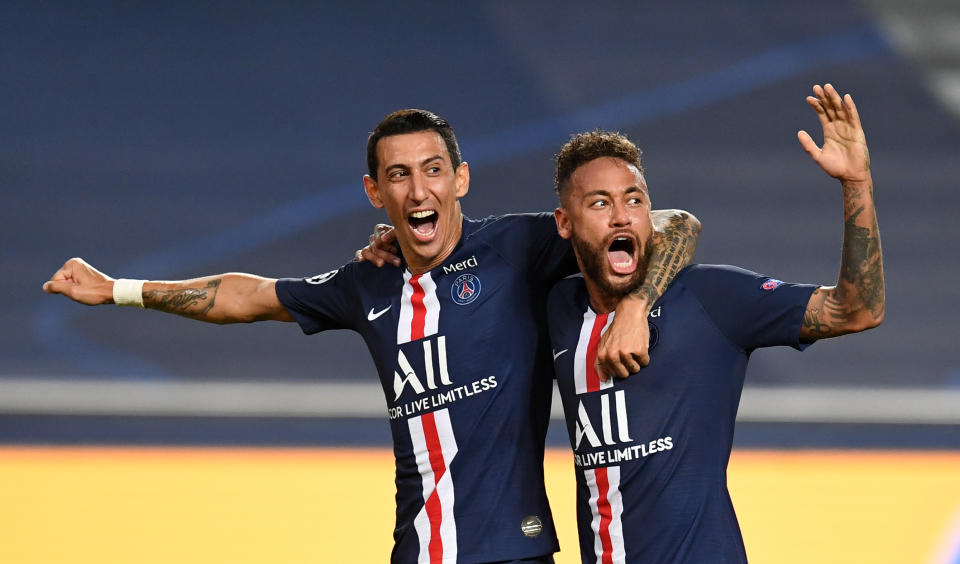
point(856, 303)
point(225, 298)
point(623, 349)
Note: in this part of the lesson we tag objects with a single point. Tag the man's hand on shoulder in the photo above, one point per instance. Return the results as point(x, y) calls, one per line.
point(383, 247)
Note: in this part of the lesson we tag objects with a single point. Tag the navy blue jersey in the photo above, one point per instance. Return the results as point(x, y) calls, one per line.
point(464, 360)
point(651, 451)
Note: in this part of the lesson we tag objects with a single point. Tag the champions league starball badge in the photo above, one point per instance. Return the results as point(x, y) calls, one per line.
point(465, 289)
point(320, 278)
point(771, 284)
point(531, 526)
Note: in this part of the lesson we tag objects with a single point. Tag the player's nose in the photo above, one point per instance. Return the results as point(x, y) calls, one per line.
point(619, 215)
point(418, 187)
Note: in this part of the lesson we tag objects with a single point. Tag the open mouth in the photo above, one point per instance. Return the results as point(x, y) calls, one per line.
point(423, 224)
point(622, 254)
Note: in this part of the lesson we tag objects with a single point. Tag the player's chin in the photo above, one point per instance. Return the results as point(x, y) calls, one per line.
point(622, 284)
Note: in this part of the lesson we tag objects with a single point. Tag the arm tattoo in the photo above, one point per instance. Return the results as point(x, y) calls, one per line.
point(859, 290)
point(825, 314)
point(814, 322)
point(862, 264)
point(675, 246)
point(189, 302)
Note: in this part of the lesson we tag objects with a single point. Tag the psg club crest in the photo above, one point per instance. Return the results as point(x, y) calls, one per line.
point(465, 289)
point(771, 284)
point(654, 335)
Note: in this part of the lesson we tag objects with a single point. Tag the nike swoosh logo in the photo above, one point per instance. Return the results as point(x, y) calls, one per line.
point(371, 316)
point(557, 354)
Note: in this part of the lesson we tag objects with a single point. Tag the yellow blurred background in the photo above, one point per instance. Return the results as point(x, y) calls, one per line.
point(210, 505)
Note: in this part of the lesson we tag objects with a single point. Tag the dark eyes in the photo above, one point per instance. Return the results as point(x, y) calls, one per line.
point(604, 203)
point(400, 173)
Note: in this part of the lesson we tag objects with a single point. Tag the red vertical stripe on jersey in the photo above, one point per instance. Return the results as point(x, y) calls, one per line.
point(419, 310)
point(434, 510)
point(606, 514)
point(593, 379)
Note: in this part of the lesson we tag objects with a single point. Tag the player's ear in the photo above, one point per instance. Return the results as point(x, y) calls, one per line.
point(463, 179)
point(563, 222)
point(373, 192)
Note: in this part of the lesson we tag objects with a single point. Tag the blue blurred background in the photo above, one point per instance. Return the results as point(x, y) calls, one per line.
point(178, 140)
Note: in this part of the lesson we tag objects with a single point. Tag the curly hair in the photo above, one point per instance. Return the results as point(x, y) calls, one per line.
point(585, 147)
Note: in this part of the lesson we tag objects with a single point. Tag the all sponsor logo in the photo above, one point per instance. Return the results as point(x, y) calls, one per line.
point(586, 429)
point(410, 378)
point(465, 289)
point(433, 387)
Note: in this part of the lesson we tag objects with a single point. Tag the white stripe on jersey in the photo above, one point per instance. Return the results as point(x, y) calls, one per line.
point(442, 489)
point(406, 310)
point(580, 358)
point(429, 312)
point(432, 303)
point(612, 502)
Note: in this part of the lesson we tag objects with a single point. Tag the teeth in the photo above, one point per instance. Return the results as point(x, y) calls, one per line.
point(624, 264)
point(421, 214)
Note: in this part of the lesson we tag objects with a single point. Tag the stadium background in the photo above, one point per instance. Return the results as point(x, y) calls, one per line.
point(176, 140)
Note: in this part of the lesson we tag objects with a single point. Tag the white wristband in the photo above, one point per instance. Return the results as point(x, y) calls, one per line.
point(128, 292)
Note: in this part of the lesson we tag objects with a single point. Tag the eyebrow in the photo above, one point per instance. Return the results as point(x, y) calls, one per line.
point(603, 192)
point(424, 162)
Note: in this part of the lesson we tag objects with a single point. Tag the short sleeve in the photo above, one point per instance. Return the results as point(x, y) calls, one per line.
point(752, 310)
point(321, 302)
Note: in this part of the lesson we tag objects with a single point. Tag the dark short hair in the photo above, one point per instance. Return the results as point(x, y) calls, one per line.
point(585, 147)
point(411, 121)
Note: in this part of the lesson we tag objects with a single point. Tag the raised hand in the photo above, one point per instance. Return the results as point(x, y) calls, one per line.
point(81, 282)
point(857, 301)
point(844, 154)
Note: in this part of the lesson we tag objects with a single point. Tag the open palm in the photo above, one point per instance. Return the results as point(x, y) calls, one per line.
point(844, 154)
